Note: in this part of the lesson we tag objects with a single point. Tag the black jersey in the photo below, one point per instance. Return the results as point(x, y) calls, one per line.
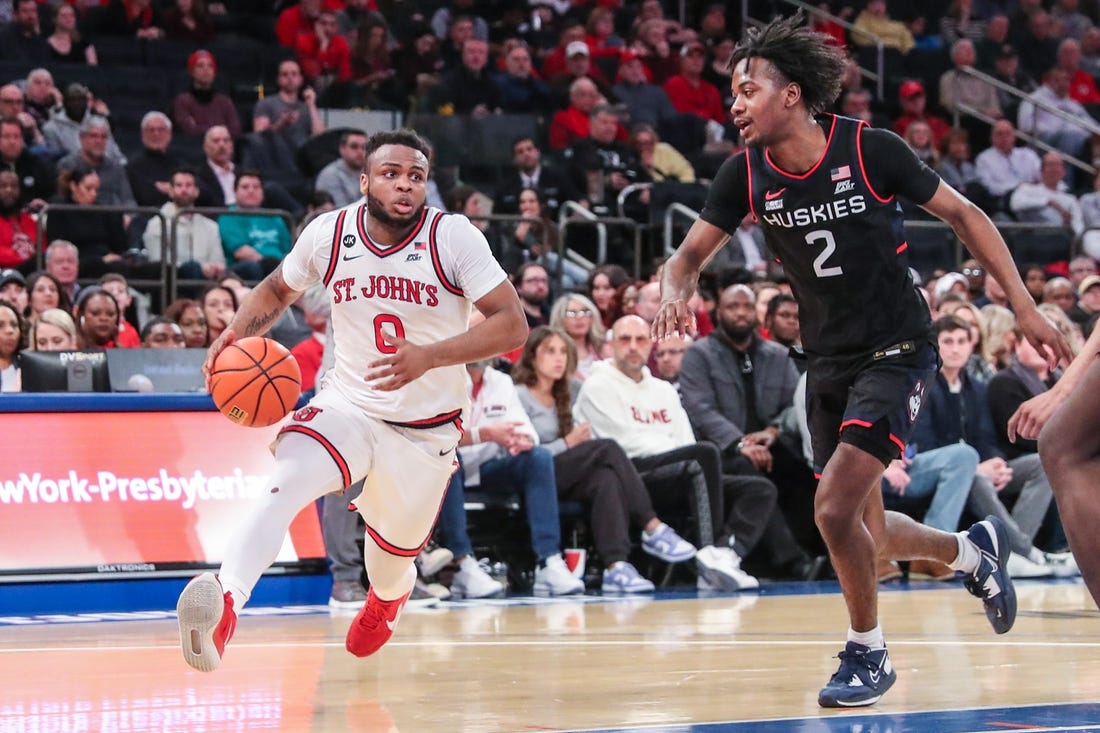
point(840, 240)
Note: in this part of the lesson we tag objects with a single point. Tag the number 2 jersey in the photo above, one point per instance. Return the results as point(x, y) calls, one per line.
point(420, 289)
point(838, 231)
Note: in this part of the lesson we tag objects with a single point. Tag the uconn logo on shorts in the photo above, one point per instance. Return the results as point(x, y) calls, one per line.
point(914, 401)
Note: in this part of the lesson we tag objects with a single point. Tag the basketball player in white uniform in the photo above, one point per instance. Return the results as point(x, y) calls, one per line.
point(402, 277)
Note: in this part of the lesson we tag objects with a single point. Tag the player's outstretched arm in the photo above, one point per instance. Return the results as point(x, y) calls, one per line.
point(258, 311)
point(504, 329)
point(983, 240)
point(680, 278)
point(1032, 415)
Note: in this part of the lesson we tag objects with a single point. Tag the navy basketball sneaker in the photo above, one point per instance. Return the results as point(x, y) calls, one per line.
point(991, 581)
point(864, 675)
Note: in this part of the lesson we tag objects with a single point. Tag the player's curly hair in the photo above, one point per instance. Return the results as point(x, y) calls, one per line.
point(799, 55)
point(405, 137)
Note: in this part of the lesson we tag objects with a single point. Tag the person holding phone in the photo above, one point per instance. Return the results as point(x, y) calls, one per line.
point(291, 111)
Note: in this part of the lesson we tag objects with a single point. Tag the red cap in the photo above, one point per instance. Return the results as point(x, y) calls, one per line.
point(627, 56)
point(194, 59)
point(910, 89)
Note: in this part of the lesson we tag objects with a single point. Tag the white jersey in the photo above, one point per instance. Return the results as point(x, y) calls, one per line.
point(420, 289)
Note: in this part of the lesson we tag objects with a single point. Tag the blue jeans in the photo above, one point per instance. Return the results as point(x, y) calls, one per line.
point(946, 473)
point(533, 473)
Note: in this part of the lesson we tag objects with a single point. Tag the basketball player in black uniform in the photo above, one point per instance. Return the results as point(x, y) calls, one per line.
point(824, 189)
point(1069, 445)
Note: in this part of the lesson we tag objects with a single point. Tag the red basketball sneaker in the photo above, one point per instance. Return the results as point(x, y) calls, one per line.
point(207, 621)
point(374, 624)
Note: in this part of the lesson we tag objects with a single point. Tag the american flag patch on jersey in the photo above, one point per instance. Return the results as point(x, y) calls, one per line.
point(841, 173)
point(420, 245)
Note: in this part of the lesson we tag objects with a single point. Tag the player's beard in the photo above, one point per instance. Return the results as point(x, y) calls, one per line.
point(377, 211)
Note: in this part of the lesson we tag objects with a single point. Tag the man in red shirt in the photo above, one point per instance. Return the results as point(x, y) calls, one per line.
point(298, 19)
point(323, 53)
point(18, 234)
point(689, 92)
point(914, 105)
point(1082, 87)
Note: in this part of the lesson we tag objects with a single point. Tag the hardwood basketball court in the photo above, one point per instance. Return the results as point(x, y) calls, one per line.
point(681, 662)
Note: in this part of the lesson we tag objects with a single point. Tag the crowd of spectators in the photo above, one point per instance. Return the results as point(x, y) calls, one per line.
point(612, 94)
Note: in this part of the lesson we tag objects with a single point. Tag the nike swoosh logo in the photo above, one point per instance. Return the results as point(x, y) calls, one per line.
point(391, 624)
point(445, 452)
point(348, 259)
point(769, 195)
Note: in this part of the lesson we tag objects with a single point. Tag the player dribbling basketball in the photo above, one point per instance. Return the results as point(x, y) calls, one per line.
point(402, 277)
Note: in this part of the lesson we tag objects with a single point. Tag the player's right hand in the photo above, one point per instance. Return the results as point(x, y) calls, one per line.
point(674, 318)
point(227, 337)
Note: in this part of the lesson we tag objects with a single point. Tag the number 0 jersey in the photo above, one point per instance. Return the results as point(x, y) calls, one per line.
point(841, 242)
point(420, 289)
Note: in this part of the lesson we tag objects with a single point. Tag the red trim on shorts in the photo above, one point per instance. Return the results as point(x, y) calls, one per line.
point(817, 476)
point(807, 174)
point(899, 442)
point(858, 423)
point(862, 170)
point(361, 223)
point(433, 249)
point(901, 248)
point(335, 249)
point(432, 422)
point(392, 548)
point(748, 172)
point(341, 464)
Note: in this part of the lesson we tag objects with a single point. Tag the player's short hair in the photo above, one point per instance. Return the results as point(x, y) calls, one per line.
point(799, 55)
point(405, 137)
point(951, 322)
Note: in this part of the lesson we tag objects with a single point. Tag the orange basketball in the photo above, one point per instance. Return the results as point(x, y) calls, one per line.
point(255, 382)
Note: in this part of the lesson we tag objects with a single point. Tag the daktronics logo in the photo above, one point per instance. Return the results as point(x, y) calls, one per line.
point(107, 487)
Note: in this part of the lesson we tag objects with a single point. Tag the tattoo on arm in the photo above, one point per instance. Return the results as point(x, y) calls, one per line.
point(258, 324)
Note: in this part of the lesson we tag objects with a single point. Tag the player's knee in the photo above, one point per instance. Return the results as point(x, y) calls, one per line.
point(832, 515)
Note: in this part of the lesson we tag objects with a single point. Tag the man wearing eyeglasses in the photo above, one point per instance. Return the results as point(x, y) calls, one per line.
point(533, 285)
point(669, 357)
point(13, 104)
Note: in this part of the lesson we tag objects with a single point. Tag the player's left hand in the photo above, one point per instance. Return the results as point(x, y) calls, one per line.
point(1046, 339)
point(674, 318)
point(407, 363)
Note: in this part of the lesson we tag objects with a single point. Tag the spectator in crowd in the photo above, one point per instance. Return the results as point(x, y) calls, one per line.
point(317, 310)
point(419, 65)
point(53, 330)
point(18, 231)
point(218, 176)
point(151, 168)
point(651, 44)
point(955, 167)
point(956, 411)
point(1071, 138)
point(22, 39)
point(1065, 325)
point(1090, 216)
point(13, 106)
point(41, 95)
point(66, 43)
point(1035, 277)
point(1090, 51)
point(533, 285)
point(1027, 375)
point(521, 92)
point(62, 131)
point(299, 18)
point(13, 331)
point(375, 81)
point(963, 20)
point(957, 86)
point(499, 451)
point(161, 332)
point(914, 106)
point(999, 338)
point(1068, 16)
point(594, 471)
point(13, 288)
point(1037, 43)
point(572, 123)
point(1082, 87)
point(690, 93)
point(1058, 291)
point(873, 25)
point(576, 316)
point(199, 254)
point(578, 65)
point(115, 284)
point(46, 291)
point(468, 89)
point(570, 30)
point(100, 236)
point(919, 138)
point(139, 19)
point(532, 171)
point(201, 107)
point(254, 244)
point(341, 177)
point(324, 55)
point(192, 321)
point(292, 111)
point(993, 40)
point(114, 186)
point(669, 358)
point(645, 102)
point(781, 321)
point(1003, 166)
point(444, 19)
point(606, 285)
point(1048, 202)
point(1006, 69)
point(97, 318)
point(600, 32)
point(856, 103)
point(37, 179)
point(355, 14)
point(1088, 302)
point(602, 164)
point(623, 401)
point(190, 21)
point(661, 161)
point(219, 305)
point(1081, 267)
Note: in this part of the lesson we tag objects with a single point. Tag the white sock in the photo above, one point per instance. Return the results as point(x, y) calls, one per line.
point(872, 639)
point(969, 556)
point(237, 590)
point(658, 528)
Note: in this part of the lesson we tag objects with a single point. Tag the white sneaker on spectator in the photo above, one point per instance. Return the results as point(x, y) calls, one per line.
point(430, 562)
point(472, 582)
point(1062, 564)
point(721, 568)
point(1020, 567)
point(552, 578)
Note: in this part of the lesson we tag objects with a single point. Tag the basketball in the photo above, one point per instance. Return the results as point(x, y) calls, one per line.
point(255, 382)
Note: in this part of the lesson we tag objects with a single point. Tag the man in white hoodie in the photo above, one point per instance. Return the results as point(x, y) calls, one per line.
point(623, 401)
